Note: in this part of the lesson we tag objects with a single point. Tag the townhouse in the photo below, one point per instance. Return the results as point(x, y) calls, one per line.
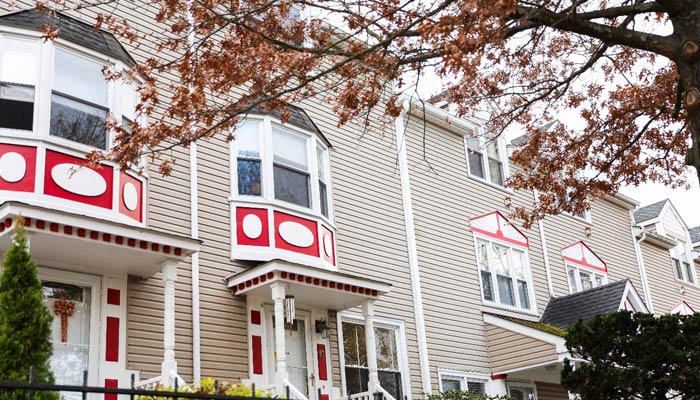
point(308, 259)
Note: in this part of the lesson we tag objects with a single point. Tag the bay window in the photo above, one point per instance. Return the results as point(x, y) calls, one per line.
point(504, 274)
point(581, 278)
point(485, 159)
point(281, 163)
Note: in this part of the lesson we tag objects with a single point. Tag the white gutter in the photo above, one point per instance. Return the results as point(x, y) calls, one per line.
point(543, 240)
point(640, 263)
point(412, 249)
point(194, 230)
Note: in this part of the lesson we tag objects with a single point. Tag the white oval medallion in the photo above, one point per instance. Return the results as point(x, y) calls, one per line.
point(327, 245)
point(12, 167)
point(252, 226)
point(130, 196)
point(296, 234)
point(79, 180)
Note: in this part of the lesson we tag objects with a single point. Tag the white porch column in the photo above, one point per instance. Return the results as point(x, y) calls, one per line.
point(498, 385)
point(278, 293)
point(169, 365)
point(371, 345)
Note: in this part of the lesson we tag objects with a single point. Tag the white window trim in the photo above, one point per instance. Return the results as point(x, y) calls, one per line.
point(528, 273)
point(44, 86)
point(578, 269)
point(528, 385)
point(266, 170)
point(480, 135)
point(463, 377)
point(676, 256)
point(401, 347)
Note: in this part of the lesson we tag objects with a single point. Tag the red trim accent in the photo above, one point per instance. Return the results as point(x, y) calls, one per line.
point(499, 233)
point(270, 275)
point(686, 304)
point(53, 227)
point(166, 249)
point(8, 222)
point(114, 297)
point(136, 213)
point(27, 222)
point(26, 184)
point(94, 235)
point(112, 384)
point(81, 232)
point(256, 281)
point(325, 397)
point(312, 226)
point(178, 251)
point(154, 246)
point(112, 345)
point(119, 240)
point(241, 238)
point(321, 354)
point(67, 230)
point(40, 224)
point(143, 245)
point(257, 355)
point(106, 237)
point(51, 188)
point(499, 237)
point(131, 242)
point(255, 317)
point(496, 377)
point(583, 262)
point(263, 278)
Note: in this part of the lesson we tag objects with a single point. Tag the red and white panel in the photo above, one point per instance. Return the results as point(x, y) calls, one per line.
point(580, 254)
point(68, 178)
point(17, 168)
point(327, 245)
point(495, 225)
point(683, 309)
point(296, 234)
point(113, 333)
point(256, 353)
point(130, 196)
point(252, 228)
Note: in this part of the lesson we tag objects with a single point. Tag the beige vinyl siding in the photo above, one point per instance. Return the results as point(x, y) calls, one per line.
point(611, 240)
point(551, 391)
point(444, 198)
point(510, 350)
point(667, 292)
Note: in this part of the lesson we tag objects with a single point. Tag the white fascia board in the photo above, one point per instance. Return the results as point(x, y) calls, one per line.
point(558, 341)
point(442, 117)
point(631, 292)
point(623, 201)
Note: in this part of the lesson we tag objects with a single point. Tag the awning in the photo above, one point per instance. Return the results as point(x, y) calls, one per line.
point(65, 240)
point(310, 286)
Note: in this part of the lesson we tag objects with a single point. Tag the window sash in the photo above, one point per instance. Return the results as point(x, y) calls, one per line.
point(485, 159)
point(17, 106)
point(503, 288)
point(462, 383)
point(576, 276)
point(94, 114)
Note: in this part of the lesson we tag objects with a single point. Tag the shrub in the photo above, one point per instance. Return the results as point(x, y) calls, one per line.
point(210, 386)
point(460, 395)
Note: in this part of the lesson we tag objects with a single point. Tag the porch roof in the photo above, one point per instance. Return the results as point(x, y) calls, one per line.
point(60, 239)
point(310, 286)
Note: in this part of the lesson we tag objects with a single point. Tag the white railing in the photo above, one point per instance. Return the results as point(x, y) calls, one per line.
point(152, 383)
point(387, 396)
point(294, 392)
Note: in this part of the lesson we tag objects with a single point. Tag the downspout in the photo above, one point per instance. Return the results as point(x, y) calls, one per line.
point(543, 240)
point(409, 224)
point(640, 263)
point(194, 231)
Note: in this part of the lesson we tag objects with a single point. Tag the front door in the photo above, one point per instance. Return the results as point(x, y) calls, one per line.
point(297, 347)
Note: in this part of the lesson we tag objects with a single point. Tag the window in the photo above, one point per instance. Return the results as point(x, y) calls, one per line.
point(682, 265)
point(278, 163)
point(18, 76)
point(355, 358)
point(485, 158)
point(522, 391)
point(581, 278)
point(504, 274)
point(249, 161)
point(451, 381)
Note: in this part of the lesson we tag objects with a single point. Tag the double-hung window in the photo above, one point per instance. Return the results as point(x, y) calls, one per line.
point(18, 81)
point(322, 160)
point(504, 273)
point(581, 278)
point(291, 167)
point(682, 265)
point(454, 381)
point(355, 358)
point(248, 160)
point(79, 100)
point(485, 158)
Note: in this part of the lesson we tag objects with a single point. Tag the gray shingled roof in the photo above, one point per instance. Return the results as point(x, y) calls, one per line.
point(694, 234)
point(297, 117)
point(522, 139)
point(562, 312)
point(649, 212)
point(70, 29)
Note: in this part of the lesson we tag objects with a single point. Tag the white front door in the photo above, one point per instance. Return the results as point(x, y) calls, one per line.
point(73, 299)
point(297, 343)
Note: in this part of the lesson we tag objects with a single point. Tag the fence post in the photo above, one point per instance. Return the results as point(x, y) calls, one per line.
point(319, 394)
point(253, 388)
point(85, 373)
point(133, 382)
point(31, 380)
point(288, 396)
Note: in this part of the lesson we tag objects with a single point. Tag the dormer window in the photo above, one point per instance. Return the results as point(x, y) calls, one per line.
point(485, 158)
point(282, 163)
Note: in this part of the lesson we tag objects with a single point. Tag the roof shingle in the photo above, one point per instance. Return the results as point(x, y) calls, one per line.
point(562, 312)
point(649, 212)
point(694, 234)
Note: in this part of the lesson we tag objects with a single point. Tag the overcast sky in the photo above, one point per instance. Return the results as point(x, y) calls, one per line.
point(687, 202)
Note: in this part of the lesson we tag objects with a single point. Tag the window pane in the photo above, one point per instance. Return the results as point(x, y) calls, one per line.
point(356, 380)
point(500, 260)
point(482, 254)
point(289, 149)
point(688, 272)
point(476, 167)
point(518, 265)
point(129, 100)
point(586, 282)
point(16, 106)
point(291, 186)
point(78, 121)
point(496, 171)
point(79, 77)
point(679, 271)
point(505, 290)
point(386, 348)
point(321, 160)
point(248, 140)
point(487, 285)
point(391, 382)
point(19, 62)
point(473, 143)
point(355, 352)
point(324, 198)
point(476, 387)
point(449, 385)
point(572, 280)
point(249, 177)
point(598, 280)
point(523, 294)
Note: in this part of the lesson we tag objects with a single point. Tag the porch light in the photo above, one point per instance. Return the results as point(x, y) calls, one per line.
point(289, 310)
point(322, 327)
